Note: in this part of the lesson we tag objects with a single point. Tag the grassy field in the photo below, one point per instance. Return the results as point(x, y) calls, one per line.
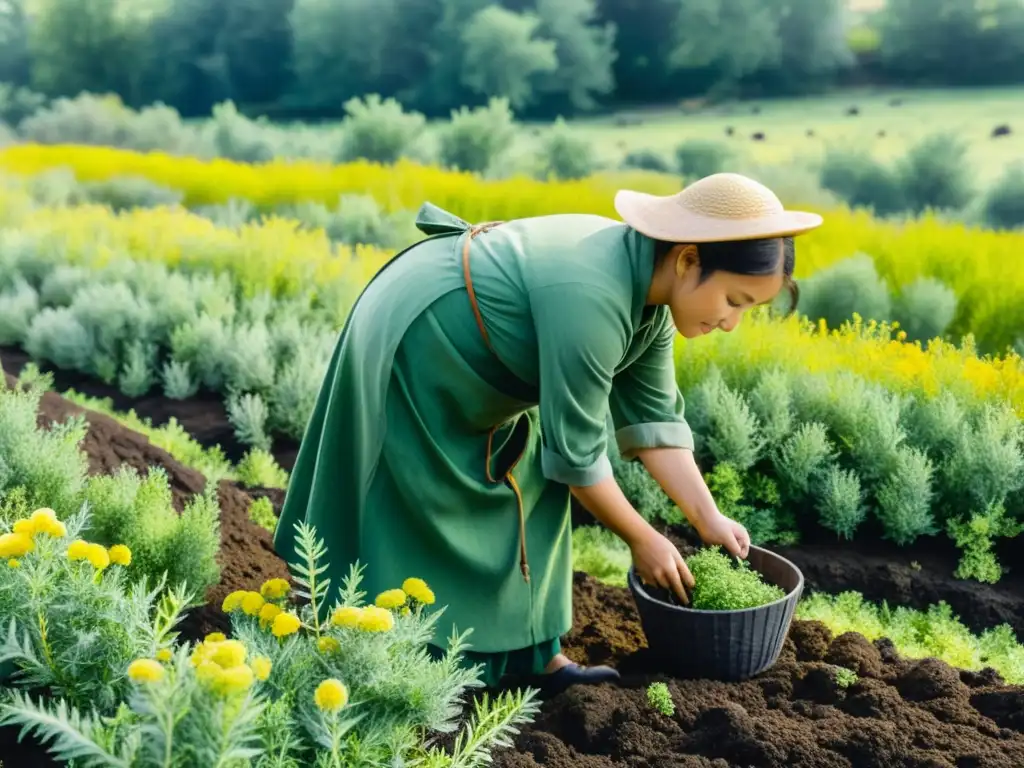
point(971, 114)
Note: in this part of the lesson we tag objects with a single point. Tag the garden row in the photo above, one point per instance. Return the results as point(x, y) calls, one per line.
point(279, 689)
point(922, 264)
point(146, 622)
point(801, 429)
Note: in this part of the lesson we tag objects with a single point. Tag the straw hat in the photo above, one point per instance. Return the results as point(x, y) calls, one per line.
point(723, 206)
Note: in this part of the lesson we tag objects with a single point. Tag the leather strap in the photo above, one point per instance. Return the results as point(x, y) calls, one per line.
point(524, 565)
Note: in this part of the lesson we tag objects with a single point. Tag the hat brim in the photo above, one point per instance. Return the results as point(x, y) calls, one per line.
point(661, 218)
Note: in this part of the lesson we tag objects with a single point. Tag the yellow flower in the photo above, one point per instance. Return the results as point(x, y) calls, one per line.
point(234, 679)
point(15, 545)
point(285, 624)
point(78, 549)
point(328, 644)
point(227, 653)
point(215, 637)
point(120, 555)
point(275, 589)
point(45, 521)
point(145, 671)
point(268, 613)
point(164, 654)
point(376, 619)
point(233, 601)
point(13, 563)
point(261, 667)
point(392, 598)
point(252, 603)
point(418, 590)
point(347, 616)
point(24, 527)
point(208, 673)
point(331, 695)
point(97, 555)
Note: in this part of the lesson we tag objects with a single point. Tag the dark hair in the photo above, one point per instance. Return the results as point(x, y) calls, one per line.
point(744, 257)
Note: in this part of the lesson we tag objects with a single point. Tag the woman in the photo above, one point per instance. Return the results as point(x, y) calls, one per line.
point(467, 399)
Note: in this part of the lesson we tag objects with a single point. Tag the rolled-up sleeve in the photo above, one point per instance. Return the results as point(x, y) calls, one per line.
point(647, 407)
point(582, 335)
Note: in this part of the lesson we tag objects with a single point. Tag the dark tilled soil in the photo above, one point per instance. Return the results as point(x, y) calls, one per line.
point(921, 714)
point(900, 713)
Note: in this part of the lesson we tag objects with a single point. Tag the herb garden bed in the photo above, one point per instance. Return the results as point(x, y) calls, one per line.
point(914, 714)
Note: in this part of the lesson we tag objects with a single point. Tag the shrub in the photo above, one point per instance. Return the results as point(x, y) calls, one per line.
point(1003, 205)
point(723, 583)
point(647, 160)
point(696, 158)
point(863, 182)
point(378, 130)
point(935, 174)
point(75, 612)
point(360, 689)
point(660, 699)
point(475, 139)
point(236, 137)
point(847, 288)
point(925, 309)
point(564, 155)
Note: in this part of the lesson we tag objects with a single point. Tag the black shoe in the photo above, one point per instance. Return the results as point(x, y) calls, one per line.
point(573, 674)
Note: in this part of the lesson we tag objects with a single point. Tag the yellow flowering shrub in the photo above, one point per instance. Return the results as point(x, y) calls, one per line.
point(370, 653)
point(870, 350)
point(57, 584)
point(975, 263)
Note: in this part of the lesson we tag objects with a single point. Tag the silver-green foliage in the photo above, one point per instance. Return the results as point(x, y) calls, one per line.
point(46, 467)
point(73, 630)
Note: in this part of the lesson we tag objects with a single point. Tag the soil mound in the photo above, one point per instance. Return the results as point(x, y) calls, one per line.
point(913, 714)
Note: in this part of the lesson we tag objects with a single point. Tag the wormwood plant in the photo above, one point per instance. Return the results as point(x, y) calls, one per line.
point(357, 690)
point(75, 615)
point(399, 697)
point(723, 583)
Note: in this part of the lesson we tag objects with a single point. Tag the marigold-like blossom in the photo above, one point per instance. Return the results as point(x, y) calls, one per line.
point(275, 589)
point(97, 556)
point(331, 695)
point(234, 679)
point(44, 520)
point(215, 637)
point(15, 545)
point(227, 653)
point(120, 555)
point(164, 654)
point(376, 619)
point(252, 603)
point(78, 549)
point(233, 601)
point(391, 599)
point(146, 671)
point(14, 563)
point(285, 624)
point(347, 616)
point(418, 590)
point(268, 613)
point(261, 667)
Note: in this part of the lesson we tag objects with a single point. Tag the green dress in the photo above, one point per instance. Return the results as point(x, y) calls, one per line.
point(391, 470)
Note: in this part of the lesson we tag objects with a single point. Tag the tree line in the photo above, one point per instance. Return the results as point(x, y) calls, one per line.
point(304, 58)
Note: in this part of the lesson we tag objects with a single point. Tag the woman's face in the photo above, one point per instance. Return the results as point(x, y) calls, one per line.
point(719, 302)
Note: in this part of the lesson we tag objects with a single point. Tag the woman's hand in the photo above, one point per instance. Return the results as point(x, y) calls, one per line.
point(658, 561)
point(719, 529)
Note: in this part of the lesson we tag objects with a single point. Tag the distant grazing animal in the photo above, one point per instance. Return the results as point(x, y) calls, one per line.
point(759, 136)
point(1001, 130)
point(854, 110)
